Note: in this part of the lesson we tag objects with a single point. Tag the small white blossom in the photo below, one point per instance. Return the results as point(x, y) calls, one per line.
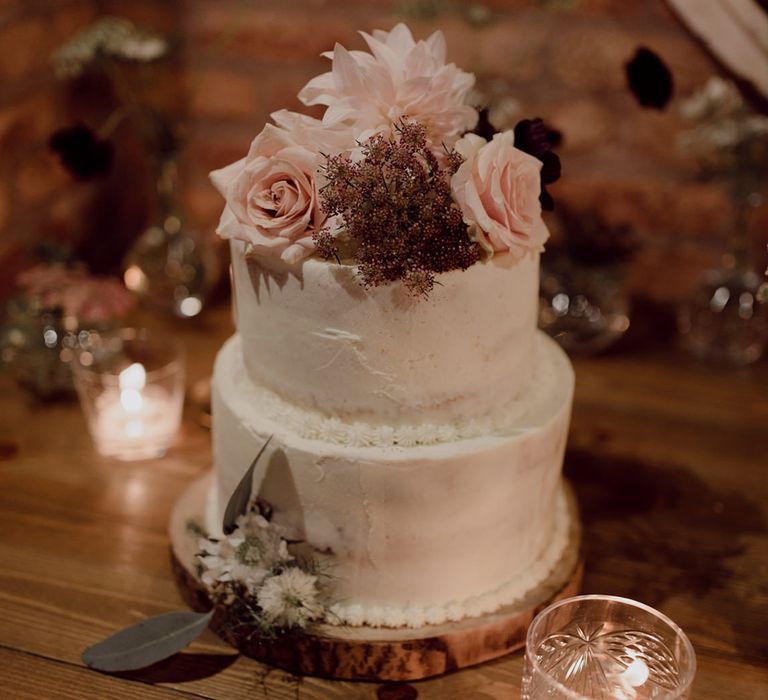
point(290, 598)
point(230, 560)
point(246, 556)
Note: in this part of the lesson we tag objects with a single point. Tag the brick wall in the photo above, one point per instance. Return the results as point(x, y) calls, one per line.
point(238, 60)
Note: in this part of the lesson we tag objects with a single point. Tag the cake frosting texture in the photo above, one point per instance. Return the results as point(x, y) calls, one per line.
point(450, 506)
point(320, 341)
point(410, 419)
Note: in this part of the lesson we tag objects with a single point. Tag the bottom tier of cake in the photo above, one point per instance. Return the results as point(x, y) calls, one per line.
point(417, 526)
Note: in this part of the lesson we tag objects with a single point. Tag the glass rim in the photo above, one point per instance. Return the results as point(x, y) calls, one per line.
point(531, 658)
point(173, 365)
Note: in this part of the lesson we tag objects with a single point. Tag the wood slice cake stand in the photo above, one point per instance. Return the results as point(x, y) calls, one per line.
point(367, 653)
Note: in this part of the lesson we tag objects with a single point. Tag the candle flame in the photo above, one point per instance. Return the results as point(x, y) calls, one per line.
point(132, 380)
point(636, 673)
point(133, 377)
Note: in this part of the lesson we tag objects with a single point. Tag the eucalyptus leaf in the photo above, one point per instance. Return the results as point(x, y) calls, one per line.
point(238, 501)
point(147, 642)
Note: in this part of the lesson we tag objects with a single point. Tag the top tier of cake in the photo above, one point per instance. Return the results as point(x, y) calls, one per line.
point(313, 336)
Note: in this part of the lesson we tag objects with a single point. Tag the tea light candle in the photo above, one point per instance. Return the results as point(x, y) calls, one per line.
point(135, 413)
point(593, 647)
point(133, 418)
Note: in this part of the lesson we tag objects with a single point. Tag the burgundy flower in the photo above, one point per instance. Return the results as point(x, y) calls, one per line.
point(484, 127)
point(81, 152)
point(535, 138)
point(649, 79)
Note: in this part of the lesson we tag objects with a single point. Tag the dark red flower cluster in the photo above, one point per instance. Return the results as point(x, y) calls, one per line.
point(397, 211)
point(81, 151)
point(649, 79)
point(535, 138)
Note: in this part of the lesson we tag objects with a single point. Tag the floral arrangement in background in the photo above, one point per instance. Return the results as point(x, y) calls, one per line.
point(723, 320)
point(87, 152)
point(168, 265)
point(392, 178)
point(57, 305)
point(649, 79)
point(86, 299)
point(112, 37)
point(729, 139)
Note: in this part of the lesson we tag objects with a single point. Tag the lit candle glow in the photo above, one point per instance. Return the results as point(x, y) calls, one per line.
point(136, 419)
point(636, 673)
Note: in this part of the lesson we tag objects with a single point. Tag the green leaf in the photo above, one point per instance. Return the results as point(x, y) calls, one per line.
point(238, 501)
point(147, 642)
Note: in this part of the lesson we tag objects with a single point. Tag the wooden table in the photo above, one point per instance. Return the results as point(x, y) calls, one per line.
point(668, 459)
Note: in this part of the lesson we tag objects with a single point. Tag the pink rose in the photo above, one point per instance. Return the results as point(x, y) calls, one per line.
point(272, 193)
point(497, 188)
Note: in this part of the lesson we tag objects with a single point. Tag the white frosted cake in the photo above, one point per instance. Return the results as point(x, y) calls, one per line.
point(417, 439)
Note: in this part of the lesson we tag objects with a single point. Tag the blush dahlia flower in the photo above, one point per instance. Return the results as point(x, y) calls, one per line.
point(371, 92)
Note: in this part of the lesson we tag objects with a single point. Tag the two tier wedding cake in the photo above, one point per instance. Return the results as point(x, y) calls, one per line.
point(385, 262)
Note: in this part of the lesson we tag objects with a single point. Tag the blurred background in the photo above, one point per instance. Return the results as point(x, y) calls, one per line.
point(145, 97)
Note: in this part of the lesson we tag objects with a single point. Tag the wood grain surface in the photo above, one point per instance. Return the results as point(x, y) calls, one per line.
point(668, 459)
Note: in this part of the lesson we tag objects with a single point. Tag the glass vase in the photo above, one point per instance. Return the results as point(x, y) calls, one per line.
point(584, 307)
point(169, 266)
point(723, 321)
point(131, 387)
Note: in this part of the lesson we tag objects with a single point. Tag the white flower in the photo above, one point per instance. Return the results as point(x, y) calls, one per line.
point(271, 538)
point(399, 78)
point(290, 599)
point(231, 559)
point(245, 556)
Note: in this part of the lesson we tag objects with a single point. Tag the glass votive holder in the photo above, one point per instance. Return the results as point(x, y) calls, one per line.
point(131, 386)
point(595, 647)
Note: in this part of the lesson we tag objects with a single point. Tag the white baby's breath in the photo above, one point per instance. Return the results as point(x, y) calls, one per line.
point(116, 37)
